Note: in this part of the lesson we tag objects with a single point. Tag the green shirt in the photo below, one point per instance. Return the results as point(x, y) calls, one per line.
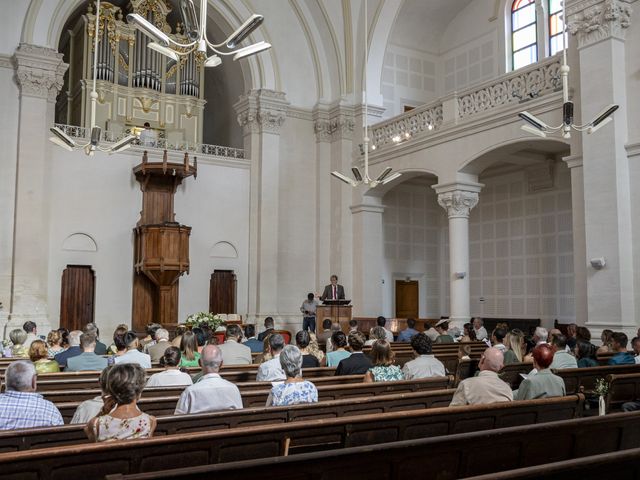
point(190, 363)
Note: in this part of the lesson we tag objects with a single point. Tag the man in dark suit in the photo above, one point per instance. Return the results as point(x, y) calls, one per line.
point(268, 325)
point(333, 291)
point(358, 363)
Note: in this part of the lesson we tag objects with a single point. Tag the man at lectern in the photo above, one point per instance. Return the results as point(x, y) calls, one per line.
point(333, 291)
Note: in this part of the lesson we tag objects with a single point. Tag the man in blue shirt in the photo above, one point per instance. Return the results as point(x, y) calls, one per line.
point(622, 357)
point(252, 342)
point(20, 405)
point(406, 334)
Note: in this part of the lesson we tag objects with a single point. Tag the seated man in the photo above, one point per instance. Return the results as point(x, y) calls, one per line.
point(478, 328)
point(73, 350)
point(425, 365)
point(233, 352)
point(544, 383)
point(561, 358)
point(271, 370)
point(156, 351)
point(487, 387)
point(251, 341)
point(381, 322)
point(133, 355)
point(101, 348)
point(621, 356)
point(406, 334)
point(358, 363)
point(326, 332)
point(87, 360)
point(268, 326)
point(20, 405)
point(212, 392)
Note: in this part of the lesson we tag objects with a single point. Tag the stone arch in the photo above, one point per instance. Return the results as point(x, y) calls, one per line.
point(223, 249)
point(80, 242)
point(407, 174)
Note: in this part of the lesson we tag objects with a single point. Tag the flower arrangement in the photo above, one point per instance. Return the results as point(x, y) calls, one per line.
point(601, 388)
point(204, 318)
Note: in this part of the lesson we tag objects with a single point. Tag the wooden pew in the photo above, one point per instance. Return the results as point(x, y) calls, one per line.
point(585, 449)
point(200, 448)
point(584, 379)
point(511, 373)
point(170, 424)
point(622, 388)
point(162, 401)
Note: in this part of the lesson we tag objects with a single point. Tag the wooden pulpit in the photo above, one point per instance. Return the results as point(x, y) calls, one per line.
point(337, 312)
point(161, 245)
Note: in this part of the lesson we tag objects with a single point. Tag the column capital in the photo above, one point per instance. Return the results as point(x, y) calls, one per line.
point(592, 21)
point(333, 122)
point(39, 71)
point(370, 208)
point(262, 111)
point(458, 198)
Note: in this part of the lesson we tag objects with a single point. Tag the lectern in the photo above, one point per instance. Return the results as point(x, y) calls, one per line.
point(339, 311)
point(161, 245)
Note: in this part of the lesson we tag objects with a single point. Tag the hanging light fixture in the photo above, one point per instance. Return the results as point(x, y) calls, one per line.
point(196, 32)
point(63, 140)
point(538, 127)
point(385, 176)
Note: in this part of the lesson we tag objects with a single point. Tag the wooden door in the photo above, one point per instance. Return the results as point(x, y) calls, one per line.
point(77, 296)
point(222, 292)
point(407, 299)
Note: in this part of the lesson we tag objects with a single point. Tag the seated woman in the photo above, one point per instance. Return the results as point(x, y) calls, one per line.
point(294, 390)
point(18, 349)
point(118, 348)
point(443, 330)
point(54, 343)
point(92, 407)
point(469, 334)
point(125, 382)
point(180, 329)
point(339, 352)
point(314, 348)
point(586, 354)
point(303, 339)
point(189, 350)
point(383, 369)
point(376, 333)
point(607, 339)
point(171, 375)
point(39, 355)
point(64, 333)
point(543, 384)
point(514, 342)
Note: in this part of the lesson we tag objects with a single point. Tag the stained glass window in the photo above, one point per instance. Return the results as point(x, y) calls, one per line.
point(557, 36)
point(524, 38)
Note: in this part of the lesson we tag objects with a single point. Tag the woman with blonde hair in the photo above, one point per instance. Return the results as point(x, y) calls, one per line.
point(514, 352)
point(39, 355)
point(54, 343)
point(314, 348)
point(383, 369)
point(606, 338)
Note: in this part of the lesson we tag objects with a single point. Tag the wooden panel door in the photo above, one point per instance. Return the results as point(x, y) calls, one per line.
point(222, 292)
point(407, 299)
point(77, 297)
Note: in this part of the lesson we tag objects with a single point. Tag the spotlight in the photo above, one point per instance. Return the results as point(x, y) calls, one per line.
point(244, 30)
point(533, 120)
point(390, 178)
point(148, 29)
point(383, 174)
point(356, 174)
point(167, 52)
point(251, 49)
point(344, 178)
point(602, 116)
point(123, 144)
point(62, 137)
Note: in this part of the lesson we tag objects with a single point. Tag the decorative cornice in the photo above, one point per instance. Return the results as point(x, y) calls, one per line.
point(361, 208)
point(333, 122)
point(262, 111)
point(6, 62)
point(573, 161)
point(300, 113)
point(39, 71)
point(592, 21)
point(633, 149)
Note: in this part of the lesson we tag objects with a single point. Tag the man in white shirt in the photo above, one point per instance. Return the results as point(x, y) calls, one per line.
point(148, 137)
point(481, 332)
point(635, 344)
point(271, 370)
point(32, 333)
point(133, 355)
point(540, 335)
point(233, 352)
point(212, 392)
point(425, 365)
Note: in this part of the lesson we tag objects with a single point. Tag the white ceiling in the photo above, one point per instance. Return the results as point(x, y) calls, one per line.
point(421, 23)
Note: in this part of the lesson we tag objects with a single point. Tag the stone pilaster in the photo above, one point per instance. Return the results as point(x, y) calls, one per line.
point(458, 199)
point(39, 74)
point(592, 21)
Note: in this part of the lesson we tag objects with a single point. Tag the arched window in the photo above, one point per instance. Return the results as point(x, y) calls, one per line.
point(556, 27)
point(524, 37)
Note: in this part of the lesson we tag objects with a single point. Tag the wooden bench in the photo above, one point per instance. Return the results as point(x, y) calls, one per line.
point(584, 379)
point(585, 449)
point(622, 388)
point(94, 461)
point(162, 401)
point(511, 373)
point(14, 440)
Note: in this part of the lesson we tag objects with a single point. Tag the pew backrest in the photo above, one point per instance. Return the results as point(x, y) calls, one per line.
point(584, 379)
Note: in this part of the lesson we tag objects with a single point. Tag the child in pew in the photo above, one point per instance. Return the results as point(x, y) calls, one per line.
point(91, 408)
point(125, 383)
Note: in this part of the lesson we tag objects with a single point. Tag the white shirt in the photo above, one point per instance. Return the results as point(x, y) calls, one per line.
point(31, 337)
point(637, 359)
point(210, 394)
point(134, 356)
point(148, 137)
point(481, 333)
point(424, 366)
point(389, 335)
point(87, 410)
point(271, 371)
point(501, 347)
point(169, 378)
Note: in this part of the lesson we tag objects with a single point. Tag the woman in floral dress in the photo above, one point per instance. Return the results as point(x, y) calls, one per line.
point(383, 369)
point(294, 390)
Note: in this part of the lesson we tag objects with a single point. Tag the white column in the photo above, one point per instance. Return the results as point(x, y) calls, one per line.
point(262, 113)
point(39, 72)
point(599, 27)
point(367, 257)
point(458, 199)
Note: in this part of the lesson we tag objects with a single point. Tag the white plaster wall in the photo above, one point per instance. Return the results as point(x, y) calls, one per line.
point(100, 197)
point(13, 14)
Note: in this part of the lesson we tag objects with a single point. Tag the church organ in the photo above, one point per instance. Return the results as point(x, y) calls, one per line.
point(134, 83)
